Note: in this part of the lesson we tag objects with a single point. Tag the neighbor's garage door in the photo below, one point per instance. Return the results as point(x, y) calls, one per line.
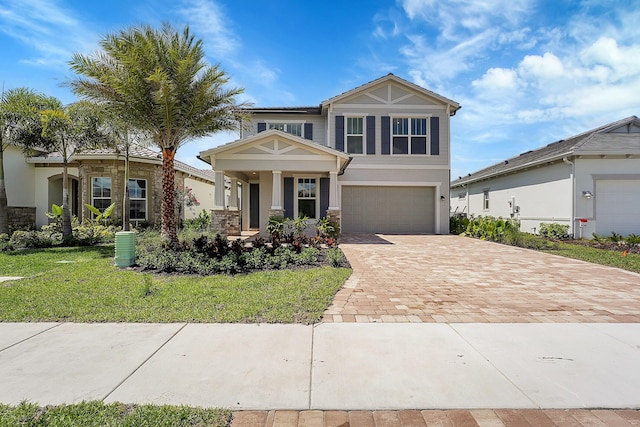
point(399, 210)
point(617, 206)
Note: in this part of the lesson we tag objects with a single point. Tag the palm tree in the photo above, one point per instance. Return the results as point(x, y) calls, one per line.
point(18, 122)
point(159, 82)
point(67, 131)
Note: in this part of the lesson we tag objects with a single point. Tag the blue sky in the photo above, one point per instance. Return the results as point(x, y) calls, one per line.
point(526, 72)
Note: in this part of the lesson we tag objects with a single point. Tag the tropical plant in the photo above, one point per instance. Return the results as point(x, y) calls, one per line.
point(18, 119)
point(300, 224)
point(160, 83)
point(67, 130)
point(98, 215)
point(275, 227)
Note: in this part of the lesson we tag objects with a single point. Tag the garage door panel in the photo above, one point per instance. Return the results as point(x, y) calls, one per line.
point(397, 210)
point(617, 206)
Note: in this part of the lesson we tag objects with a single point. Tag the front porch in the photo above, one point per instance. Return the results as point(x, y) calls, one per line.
point(273, 174)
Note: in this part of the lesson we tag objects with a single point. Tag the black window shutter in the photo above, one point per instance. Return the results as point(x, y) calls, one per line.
point(435, 136)
point(308, 131)
point(340, 133)
point(288, 197)
point(371, 134)
point(262, 126)
point(324, 196)
point(385, 123)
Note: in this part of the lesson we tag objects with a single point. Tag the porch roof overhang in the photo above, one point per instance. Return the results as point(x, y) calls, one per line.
point(274, 150)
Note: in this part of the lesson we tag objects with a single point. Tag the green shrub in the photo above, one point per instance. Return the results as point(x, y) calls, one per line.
point(335, 256)
point(490, 228)
point(633, 239)
point(33, 239)
point(200, 223)
point(458, 224)
point(308, 256)
point(554, 231)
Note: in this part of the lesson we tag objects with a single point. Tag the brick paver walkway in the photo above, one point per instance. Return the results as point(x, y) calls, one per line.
point(466, 418)
point(458, 279)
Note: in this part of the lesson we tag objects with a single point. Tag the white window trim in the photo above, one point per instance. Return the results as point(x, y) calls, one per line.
point(410, 116)
point(93, 203)
point(286, 122)
point(295, 198)
point(146, 200)
point(486, 201)
point(364, 133)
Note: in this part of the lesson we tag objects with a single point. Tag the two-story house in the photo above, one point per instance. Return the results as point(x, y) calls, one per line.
point(375, 158)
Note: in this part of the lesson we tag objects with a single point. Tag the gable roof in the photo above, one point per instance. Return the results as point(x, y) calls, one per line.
point(137, 153)
point(606, 139)
point(208, 154)
point(391, 77)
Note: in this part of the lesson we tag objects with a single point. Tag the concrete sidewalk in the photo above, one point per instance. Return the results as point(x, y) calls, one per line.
point(326, 366)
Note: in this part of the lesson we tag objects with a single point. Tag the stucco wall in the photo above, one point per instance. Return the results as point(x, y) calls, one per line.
point(19, 178)
point(203, 192)
point(543, 195)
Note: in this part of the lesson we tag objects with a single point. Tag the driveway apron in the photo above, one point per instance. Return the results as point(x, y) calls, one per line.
point(453, 279)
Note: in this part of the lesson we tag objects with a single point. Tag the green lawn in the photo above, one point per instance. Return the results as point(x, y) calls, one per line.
point(82, 285)
point(98, 414)
point(629, 262)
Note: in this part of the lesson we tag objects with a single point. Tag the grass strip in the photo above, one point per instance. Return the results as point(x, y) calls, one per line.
point(86, 287)
point(611, 258)
point(96, 413)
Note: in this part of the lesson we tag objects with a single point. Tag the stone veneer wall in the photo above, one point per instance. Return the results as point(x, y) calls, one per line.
point(225, 222)
point(334, 215)
point(21, 217)
point(114, 169)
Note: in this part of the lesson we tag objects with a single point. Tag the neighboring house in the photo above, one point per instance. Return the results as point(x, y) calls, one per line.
point(375, 158)
point(96, 177)
point(590, 181)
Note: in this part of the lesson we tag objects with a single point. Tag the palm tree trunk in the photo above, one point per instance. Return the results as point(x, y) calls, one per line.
point(4, 213)
point(67, 232)
point(167, 210)
point(126, 202)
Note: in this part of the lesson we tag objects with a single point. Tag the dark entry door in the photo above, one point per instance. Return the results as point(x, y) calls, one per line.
point(254, 206)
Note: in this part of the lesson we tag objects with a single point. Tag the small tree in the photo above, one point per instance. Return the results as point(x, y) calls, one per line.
point(19, 121)
point(67, 131)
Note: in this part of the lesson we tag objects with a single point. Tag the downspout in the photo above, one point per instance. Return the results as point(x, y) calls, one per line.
point(573, 194)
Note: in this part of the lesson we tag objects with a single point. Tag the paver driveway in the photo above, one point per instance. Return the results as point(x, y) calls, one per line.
point(457, 279)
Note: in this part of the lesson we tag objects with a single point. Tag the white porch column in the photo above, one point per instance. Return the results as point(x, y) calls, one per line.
point(218, 195)
point(333, 191)
point(276, 193)
point(233, 197)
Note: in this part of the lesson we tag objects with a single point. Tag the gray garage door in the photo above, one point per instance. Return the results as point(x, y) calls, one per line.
point(617, 206)
point(392, 210)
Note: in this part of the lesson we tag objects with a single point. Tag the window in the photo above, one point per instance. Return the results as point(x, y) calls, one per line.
point(100, 192)
point(409, 135)
point(292, 128)
point(485, 198)
point(307, 197)
point(462, 196)
point(355, 135)
point(137, 199)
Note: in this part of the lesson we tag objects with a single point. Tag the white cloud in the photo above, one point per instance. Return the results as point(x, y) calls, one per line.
point(46, 28)
point(545, 67)
point(209, 21)
point(497, 79)
point(622, 61)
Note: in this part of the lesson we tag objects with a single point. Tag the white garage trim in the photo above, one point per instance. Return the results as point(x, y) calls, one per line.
point(436, 201)
point(433, 218)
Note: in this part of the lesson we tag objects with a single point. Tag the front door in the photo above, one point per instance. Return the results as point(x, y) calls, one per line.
point(254, 206)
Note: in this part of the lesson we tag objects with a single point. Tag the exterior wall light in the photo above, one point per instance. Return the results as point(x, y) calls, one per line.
point(587, 194)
